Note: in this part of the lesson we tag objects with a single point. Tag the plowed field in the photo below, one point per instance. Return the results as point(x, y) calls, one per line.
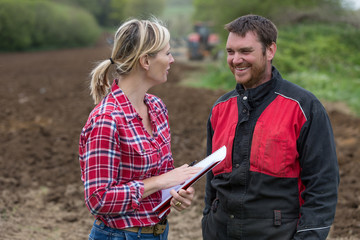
point(45, 102)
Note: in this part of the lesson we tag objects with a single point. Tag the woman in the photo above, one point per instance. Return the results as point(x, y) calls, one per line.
point(124, 151)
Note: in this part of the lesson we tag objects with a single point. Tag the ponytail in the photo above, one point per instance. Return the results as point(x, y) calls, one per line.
point(100, 84)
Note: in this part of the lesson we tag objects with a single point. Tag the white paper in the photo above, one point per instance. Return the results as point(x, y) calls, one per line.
point(215, 157)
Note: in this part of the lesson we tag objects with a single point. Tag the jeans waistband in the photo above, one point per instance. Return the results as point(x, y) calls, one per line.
point(156, 229)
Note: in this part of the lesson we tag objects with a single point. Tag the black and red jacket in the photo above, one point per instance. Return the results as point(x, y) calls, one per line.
point(280, 177)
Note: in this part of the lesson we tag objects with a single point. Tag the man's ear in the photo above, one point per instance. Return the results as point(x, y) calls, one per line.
point(144, 62)
point(271, 50)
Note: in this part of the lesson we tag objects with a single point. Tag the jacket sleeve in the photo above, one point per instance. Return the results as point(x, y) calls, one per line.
point(319, 175)
point(210, 193)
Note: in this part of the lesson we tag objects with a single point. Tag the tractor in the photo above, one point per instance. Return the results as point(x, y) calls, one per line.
point(201, 42)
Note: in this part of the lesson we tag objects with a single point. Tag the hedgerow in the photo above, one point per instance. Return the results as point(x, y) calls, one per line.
point(36, 24)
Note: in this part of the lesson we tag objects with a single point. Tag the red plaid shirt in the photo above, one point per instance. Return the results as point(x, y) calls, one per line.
point(116, 153)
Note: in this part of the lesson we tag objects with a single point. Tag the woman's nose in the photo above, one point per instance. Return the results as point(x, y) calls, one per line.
point(171, 59)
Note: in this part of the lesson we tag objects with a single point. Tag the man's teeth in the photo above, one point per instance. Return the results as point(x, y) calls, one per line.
point(243, 68)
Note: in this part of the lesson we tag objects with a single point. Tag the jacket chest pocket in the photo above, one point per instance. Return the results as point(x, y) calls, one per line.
point(273, 151)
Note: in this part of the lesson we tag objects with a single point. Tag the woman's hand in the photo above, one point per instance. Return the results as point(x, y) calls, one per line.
point(178, 175)
point(170, 179)
point(182, 199)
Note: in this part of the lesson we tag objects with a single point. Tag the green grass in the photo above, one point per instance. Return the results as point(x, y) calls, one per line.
point(321, 58)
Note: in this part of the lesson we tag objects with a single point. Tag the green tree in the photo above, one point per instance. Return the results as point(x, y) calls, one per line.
point(145, 8)
point(281, 12)
point(124, 9)
point(118, 11)
point(99, 8)
point(40, 24)
point(111, 13)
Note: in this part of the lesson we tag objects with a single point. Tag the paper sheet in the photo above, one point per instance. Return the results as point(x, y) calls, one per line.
point(207, 164)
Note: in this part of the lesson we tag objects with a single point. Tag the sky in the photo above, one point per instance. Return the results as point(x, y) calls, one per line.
point(355, 3)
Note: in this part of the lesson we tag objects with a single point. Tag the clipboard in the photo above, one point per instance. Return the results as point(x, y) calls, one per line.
point(207, 164)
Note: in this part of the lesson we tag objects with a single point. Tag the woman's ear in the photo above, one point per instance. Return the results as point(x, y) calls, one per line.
point(144, 62)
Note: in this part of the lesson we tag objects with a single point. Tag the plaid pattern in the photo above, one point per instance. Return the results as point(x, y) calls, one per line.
point(116, 153)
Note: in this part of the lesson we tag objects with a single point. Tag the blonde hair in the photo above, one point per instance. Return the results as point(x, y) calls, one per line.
point(133, 39)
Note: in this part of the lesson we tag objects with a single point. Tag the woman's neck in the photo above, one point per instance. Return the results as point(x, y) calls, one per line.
point(135, 88)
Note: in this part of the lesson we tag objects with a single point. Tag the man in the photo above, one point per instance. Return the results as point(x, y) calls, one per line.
point(280, 177)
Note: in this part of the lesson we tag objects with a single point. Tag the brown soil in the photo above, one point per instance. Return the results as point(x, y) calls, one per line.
point(45, 103)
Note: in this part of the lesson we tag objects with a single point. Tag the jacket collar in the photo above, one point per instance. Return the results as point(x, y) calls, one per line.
point(255, 96)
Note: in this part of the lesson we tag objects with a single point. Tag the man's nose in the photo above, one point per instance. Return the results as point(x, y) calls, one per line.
point(238, 58)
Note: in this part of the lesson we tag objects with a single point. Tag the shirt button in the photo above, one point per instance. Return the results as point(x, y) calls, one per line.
point(237, 165)
point(232, 216)
point(245, 98)
point(244, 110)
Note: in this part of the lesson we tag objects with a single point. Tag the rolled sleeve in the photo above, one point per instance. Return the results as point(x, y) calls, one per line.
point(106, 193)
point(137, 191)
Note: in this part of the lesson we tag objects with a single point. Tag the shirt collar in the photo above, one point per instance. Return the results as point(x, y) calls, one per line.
point(123, 102)
point(154, 109)
point(126, 106)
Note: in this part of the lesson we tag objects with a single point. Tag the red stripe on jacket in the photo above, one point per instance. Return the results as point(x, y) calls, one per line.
point(273, 148)
point(225, 117)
